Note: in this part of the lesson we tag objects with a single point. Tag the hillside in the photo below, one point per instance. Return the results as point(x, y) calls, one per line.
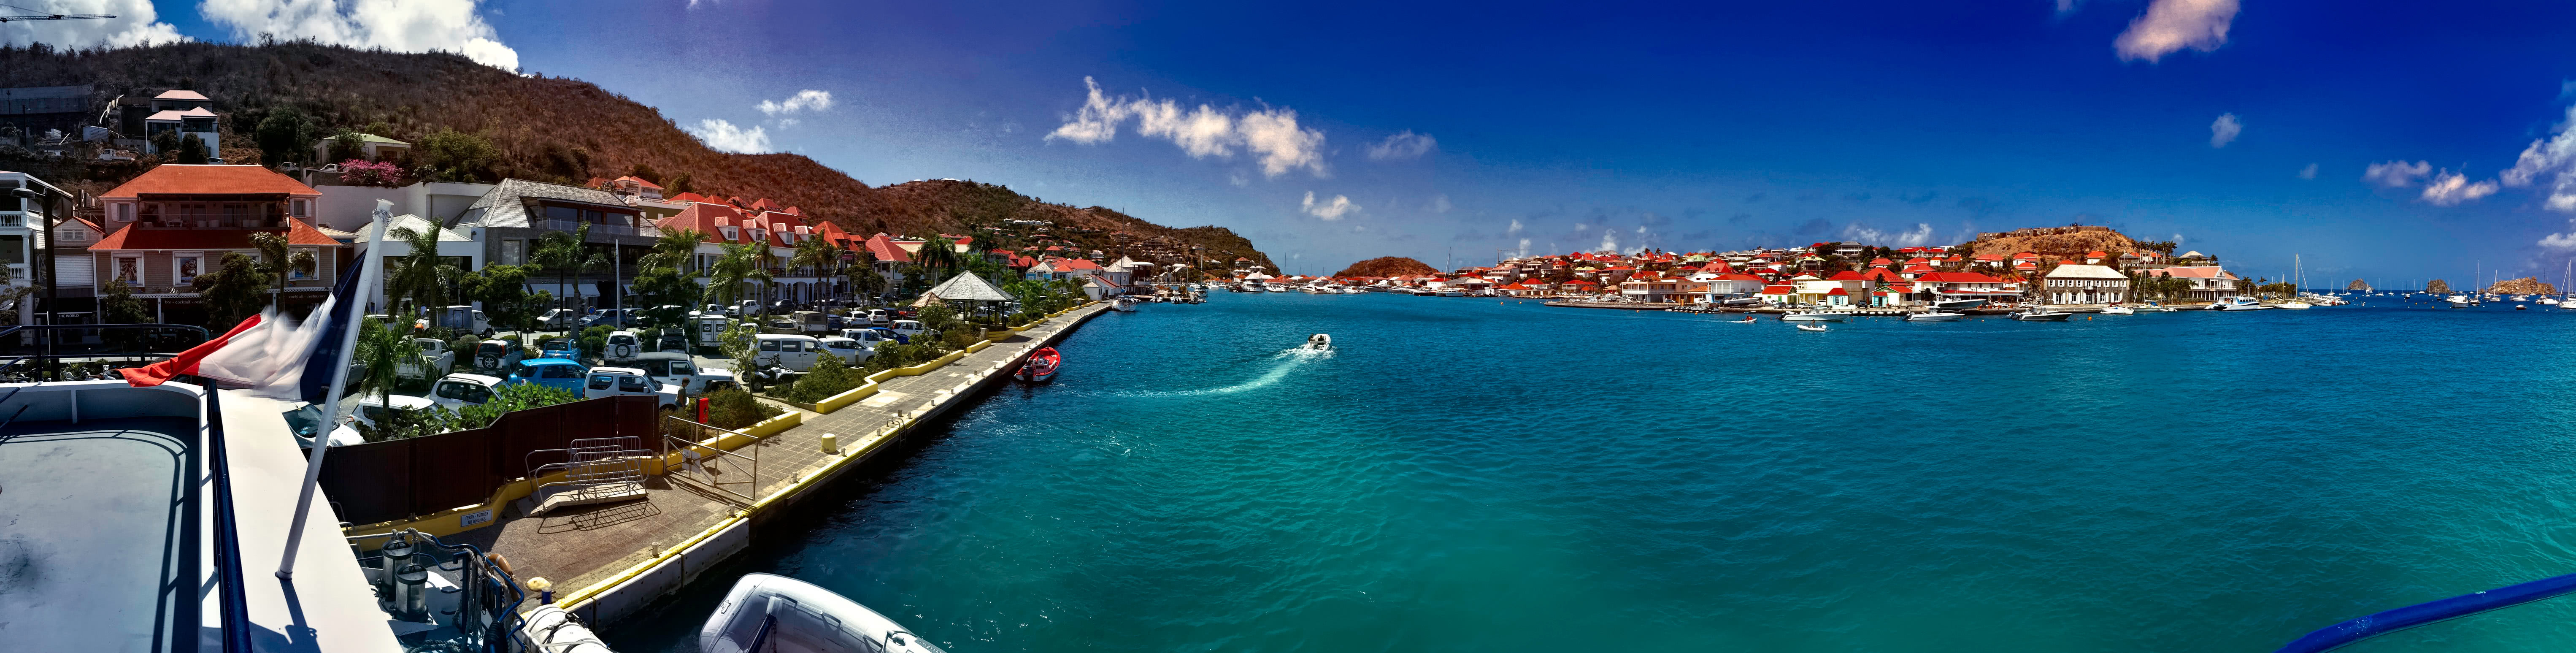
point(2522, 286)
point(1387, 266)
point(541, 128)
point(2061, 242)
point(2357, 284)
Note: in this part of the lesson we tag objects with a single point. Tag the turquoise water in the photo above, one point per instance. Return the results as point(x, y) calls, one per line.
point(1474, 475)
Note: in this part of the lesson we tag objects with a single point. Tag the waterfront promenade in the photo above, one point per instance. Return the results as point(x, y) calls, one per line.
point(604, 561)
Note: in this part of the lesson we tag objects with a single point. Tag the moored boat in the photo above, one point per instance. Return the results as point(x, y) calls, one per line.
point(1813, 327)
point(1817, 316)
point(2119, 310)
point(768, 612)
point(2040, 315)
point(1040, 367)
point(1935, 316)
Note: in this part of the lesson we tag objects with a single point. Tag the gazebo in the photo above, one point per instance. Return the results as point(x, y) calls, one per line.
point(972, 293)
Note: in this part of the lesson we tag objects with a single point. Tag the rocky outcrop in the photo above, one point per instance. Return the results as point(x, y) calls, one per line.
point(2356, 284)
point(2522, 286)
point(1387, 266)
point(2438, 287)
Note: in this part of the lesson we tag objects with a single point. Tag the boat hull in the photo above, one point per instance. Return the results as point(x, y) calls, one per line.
point(1934, 317)
point(2042, 317)
point(769, 612)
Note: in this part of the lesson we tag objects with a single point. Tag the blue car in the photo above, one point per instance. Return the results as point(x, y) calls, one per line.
point(891, 335)
point(561, 373)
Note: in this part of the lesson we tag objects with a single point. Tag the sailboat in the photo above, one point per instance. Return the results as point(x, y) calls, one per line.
point(2298, 277)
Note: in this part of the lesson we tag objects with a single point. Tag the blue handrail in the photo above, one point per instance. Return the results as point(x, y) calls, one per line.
point(2382, 623)
point(228, 560)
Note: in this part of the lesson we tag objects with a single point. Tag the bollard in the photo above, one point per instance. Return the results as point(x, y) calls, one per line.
point(831, 443)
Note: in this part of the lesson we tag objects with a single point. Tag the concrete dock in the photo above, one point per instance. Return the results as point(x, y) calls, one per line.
point(606, 561)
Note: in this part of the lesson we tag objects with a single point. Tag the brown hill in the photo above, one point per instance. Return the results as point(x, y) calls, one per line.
point(1387, 266)
point(2062, 242)
point(543, 128)
point(2357, 284)
point(2522, 286)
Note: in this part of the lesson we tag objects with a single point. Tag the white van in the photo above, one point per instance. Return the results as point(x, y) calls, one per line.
point(850, 351)
point(789, 351)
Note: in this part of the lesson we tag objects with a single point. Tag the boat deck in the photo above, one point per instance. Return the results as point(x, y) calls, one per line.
point(578, 546)
point(95, 531)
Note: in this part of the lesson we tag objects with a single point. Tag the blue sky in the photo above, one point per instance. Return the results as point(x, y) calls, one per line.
point(1420, 130)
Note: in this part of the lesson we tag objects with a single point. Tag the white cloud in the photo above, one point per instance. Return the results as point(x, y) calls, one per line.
point(801, 101)
point(2171, 25)
point(723, 136)
point(1609, 241)
point(1407, 145)
point(1919, 236)
point(1440, 204)
point(2451, 188)
point(1515, 229)
point(1271, 135)
point(398, 25)
point(1332, 210)
point(1524, 247)
point(2400, 174)
point(2561, 241)
point(135, 23)
point(2309, 172)
point(2224, 130)
point(2555, 156)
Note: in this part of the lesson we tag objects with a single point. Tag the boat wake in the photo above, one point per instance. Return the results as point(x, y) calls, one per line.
point(1288, 362)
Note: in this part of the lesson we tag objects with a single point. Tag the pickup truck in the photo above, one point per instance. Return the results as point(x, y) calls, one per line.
point(621, 381)
point(678, 369)
point(435, 354)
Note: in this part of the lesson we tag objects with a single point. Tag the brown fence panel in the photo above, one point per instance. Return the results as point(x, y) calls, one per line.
point(383, 481)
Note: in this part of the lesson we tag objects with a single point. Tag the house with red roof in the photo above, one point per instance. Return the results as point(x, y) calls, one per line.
point(174, 223)
point(1944, 286)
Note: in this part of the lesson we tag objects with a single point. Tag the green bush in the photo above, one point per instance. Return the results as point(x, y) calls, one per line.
point(734, 408)
point(509, 397)
point(828, 377)
point(594, 341)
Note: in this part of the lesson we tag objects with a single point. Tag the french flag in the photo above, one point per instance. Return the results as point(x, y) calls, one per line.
point(271, 354)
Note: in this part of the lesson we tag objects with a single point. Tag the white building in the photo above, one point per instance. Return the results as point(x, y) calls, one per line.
point(2077, 283)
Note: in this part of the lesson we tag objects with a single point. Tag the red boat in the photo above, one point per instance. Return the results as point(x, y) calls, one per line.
point(1040, 367)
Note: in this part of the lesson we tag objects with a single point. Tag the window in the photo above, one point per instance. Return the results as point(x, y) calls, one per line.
point(184, 269)
point(305, 269)
point(466, 392)
point(374, 414)
point(601, 381)
point(564, 213)
point(512, 251)
point(129, 269)
point(731, 234)
point(296, 208)
point(559, 372)
point(125, 212)
point(632, 383)
point(769, 345)
point(13, 249)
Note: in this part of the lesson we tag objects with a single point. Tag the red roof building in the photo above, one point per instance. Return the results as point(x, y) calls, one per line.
point(175, 223)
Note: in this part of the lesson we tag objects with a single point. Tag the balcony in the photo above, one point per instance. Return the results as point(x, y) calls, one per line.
point(647, 231)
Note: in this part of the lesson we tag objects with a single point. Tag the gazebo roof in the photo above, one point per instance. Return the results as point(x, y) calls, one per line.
point(968, 288)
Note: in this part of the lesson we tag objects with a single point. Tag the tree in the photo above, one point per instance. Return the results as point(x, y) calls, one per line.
point(166, 142)
point(420, 277)
point(939, 258)
point(568, 254)
point(663, 275)
point(503, 290)
point(192, 150)
point(346, 146)
point(121, 306)
point(645, 172)
point(819, 254)
point(451, 155)
point(231, 292)
point(741, 263)
point(285, 135)
point(380, 355)
point(678, 185)
point(277, 262)
point(737, 343)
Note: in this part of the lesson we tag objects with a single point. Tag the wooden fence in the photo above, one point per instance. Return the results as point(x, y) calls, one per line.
point(397, 479)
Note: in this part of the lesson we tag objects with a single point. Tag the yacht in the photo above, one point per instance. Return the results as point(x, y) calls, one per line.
point(1956, 305)
point(1935, 316)
point(1813, 327)
point(2459, 301)
point(2040, 315)
point(1319, 342)
point(2239, 303)
point(2152, 307)
point(2118, 310)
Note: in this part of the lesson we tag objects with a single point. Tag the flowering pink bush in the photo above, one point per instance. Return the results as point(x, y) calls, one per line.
point(358, 172)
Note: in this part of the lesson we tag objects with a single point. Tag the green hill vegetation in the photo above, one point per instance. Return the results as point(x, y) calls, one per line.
point(1387, 266)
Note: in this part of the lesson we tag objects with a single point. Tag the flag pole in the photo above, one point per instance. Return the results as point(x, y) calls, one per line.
point(370, 266)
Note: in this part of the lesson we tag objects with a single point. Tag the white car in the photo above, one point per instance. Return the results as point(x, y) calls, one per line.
point(793, 352)
point(456, 391)
point(373, 411)
point(559, 319)
point(678, 369)
point(622, 346)
point(744, 308)
point(909, 329)
point(851, 352)
point(622, 381)
point(433, 351)
point(866, 338)
point(879, 316)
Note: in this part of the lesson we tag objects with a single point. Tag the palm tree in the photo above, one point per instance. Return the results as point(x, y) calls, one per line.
point(275, 261)
point(381, 352)
point(567, 255)
point(741, 263)
point(939, 258)
point(816, 253)
point(420, 278)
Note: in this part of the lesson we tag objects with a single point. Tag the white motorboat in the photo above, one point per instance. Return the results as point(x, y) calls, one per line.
point(2294, 305)
point(1935, 316)
point(767, 612)
point(1123, 305)
point(2552, 301)
point(1818, 316)
point(1813, 327)
point(2119, 310)
point(2240, 303)
point(2040, 315)
point(1956, 305)
point(2520, 307)
point(1319, 342)
point(2152, 307)
point(2458, 301)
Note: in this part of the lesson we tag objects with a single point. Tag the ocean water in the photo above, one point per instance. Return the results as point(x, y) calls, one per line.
point(1483, 475)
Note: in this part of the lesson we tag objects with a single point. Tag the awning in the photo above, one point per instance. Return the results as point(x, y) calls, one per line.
point(578, 289)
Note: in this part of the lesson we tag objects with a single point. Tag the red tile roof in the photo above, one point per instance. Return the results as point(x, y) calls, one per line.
point(210, 180)
point(134, 238)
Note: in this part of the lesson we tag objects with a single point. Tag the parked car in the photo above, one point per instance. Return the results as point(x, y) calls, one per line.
point(559, 373)
point(672, 340)
point(796, 353)
point(557, 348)
point(498, 355)
point(610, 317)
point(621, 381)
point(456, 391)
point(850, 351)
point(622, 346)
point(666, 314)
point(744, 308)
point(909, 329)
point(866, 338)
point(813, 323)
point(374, 410)
point(561, 318)
point(880, 316)
point(680, 370)
point(462, 318)
point(435, 354)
